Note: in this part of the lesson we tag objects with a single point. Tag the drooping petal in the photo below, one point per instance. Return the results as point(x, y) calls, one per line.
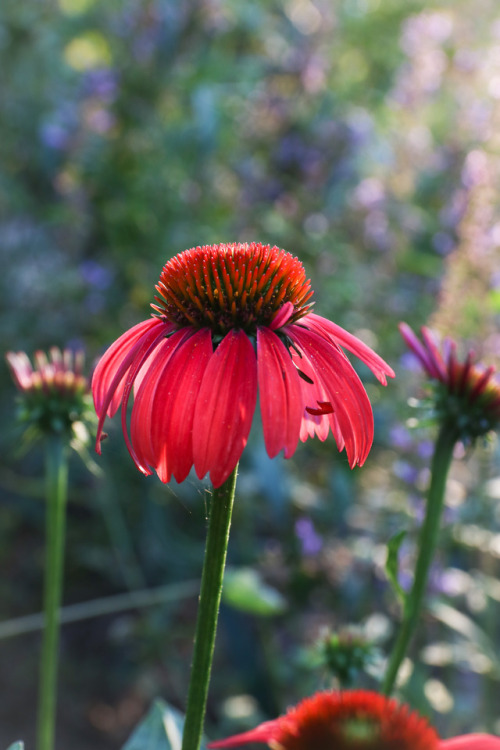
point(280, 394)
point(323, 326)
point(174, 405)
point(115, 375)
point(343, 390)
point(113, 360)
point(141, 358)
point(263, 733)
point(471, 742)
point(225, 407)
point(144, 401)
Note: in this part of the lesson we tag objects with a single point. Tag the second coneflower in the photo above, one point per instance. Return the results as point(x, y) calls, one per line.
point(468, 394)
point(230, 321)
point(353, 720)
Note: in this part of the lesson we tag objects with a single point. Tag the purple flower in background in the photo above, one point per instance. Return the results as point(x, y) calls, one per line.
point(102, 83)
point(310, 541)
point(96, 275)
point(54, 135)
point(400, 437)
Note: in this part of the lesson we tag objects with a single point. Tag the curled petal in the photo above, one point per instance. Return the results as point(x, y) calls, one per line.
point(280, 394)
point(323, 326)
point(343, 389)
point(313, 393)
point(225, 407)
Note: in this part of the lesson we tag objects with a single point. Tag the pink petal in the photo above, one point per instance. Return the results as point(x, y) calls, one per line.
point(431, 344)
point(263, 733)
point(471, 742)
point(280, 394)
point(419, 350)
point(226, 403)
point(343, 389)
point(112, 361)
point(174, 405)
point(323, 326)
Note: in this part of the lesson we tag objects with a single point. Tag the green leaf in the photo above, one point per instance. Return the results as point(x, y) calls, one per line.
point(392, 564)
point(245, 590)
point(16, 746)
point(161, 729)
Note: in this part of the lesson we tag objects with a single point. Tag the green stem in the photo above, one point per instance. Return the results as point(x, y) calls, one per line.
point(56, 468)
point(208, 610)
point(441, 460)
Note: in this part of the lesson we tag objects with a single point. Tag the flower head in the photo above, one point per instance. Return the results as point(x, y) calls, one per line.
point(53, 392)
point(353, 720)
point(467, 395)
point(228, 321)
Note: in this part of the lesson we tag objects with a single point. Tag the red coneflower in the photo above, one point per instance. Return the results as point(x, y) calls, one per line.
point(353, 720)
point(231, 320)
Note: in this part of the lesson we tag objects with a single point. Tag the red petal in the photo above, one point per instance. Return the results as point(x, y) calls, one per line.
point(112, 361)
point(115, 374)
point(224, 412)
point(263, 733)
point(343, 390)
point(471, 742)
point(281, 403)
point(313, 393)
point(323, 326)
point(174, 405)
point(142, 413)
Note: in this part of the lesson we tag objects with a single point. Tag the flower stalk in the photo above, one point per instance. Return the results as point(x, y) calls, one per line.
point(56, 496)
point(441, 461)
point(221, 507)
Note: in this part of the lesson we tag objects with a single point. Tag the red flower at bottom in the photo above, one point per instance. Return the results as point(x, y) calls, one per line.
point(354, 720)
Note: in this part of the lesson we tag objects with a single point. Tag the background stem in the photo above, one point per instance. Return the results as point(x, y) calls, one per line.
point(221, 507)
point(441, 460)
point(56, 468)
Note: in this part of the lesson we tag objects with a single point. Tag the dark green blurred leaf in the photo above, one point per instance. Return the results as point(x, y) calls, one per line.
point(392, 564)
point(160, 730)
point(245, 590)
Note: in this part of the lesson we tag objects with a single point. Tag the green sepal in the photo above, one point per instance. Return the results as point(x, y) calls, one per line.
point(16, 746)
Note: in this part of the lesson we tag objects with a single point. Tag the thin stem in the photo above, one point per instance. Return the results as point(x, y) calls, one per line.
point(441, 460)
point(208, 610)
point(56, 468)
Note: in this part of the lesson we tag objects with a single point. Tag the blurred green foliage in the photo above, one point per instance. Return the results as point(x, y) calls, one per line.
point(359, 135)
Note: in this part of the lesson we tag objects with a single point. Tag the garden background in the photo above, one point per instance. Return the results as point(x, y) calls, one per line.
point(363, 136)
